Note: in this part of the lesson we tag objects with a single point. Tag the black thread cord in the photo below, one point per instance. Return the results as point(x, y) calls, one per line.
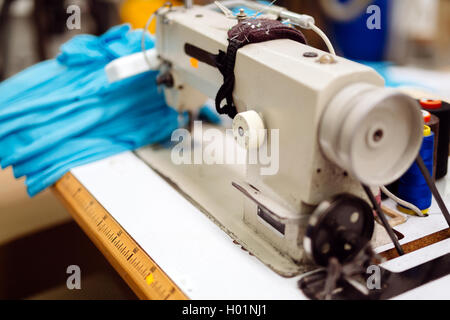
point(432, 186)
point(383, 219)
point(225, 64)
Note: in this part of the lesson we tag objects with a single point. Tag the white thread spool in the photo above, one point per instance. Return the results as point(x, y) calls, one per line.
point(249, 130)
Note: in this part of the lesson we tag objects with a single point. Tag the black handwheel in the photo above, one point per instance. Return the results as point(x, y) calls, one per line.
point(339, 228)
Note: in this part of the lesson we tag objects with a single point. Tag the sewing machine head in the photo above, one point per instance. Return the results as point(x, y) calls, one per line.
point(331, 122)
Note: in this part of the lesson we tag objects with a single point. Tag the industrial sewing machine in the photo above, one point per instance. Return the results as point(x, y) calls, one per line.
point(334, 132)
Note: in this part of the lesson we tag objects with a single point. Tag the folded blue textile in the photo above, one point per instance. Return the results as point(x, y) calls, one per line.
point(63, 113)
point(66, 74)
point(88, 113)
point(85, 150)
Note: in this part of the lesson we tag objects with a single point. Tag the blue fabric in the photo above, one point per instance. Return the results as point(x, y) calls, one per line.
point(383, 68)
point(63, 113)
point(210, 115)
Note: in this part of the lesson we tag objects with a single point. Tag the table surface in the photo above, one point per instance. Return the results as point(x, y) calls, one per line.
point(198, 256)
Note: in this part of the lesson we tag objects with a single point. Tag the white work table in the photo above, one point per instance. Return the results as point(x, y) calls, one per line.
point(195, 253)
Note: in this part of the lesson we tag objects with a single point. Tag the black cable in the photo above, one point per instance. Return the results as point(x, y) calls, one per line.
point(383, 219)
point(432, 186)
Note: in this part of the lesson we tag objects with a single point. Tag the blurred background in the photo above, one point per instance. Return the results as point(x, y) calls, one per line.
point(38, 239)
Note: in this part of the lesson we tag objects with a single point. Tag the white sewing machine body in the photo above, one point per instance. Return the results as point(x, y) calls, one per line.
point(319, 107)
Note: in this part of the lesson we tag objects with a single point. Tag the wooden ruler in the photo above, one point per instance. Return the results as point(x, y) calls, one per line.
point(418, 244)
point(133, 264)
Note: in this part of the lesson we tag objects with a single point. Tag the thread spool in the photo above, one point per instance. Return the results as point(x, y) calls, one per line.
point(433, 122)
point(441, 110)
point(248, 129)
point(412, 186)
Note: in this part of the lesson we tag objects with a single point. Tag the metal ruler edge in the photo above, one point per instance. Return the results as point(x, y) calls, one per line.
point(134, 265)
